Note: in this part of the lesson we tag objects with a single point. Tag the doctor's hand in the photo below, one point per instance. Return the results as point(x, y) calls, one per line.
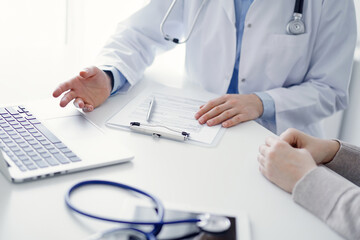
point(323, 151)
point(88, 90)
point(230, 110)
point(282, 164)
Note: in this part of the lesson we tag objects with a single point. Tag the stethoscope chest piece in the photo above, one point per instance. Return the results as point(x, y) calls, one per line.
point(296, 26)
point(214, 223)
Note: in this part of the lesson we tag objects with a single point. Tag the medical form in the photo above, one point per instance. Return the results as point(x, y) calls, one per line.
point(172, 109)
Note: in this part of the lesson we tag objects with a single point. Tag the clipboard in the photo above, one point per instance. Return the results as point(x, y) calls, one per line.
point(172, 115)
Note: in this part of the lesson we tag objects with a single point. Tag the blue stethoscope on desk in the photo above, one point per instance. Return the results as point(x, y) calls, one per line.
point(212, 224)
point(296, 26)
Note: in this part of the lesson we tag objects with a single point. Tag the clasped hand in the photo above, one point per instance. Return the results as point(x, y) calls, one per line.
point(286, 159)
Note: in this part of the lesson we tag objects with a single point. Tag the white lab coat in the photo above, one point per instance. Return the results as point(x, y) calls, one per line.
point(306, 75)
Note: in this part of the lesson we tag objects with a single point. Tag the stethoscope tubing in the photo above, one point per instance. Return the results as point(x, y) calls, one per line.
point(298, 11)
point(158, 205)
point(186, 38)
point(299, 4)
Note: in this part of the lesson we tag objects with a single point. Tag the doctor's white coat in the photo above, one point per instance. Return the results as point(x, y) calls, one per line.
point(306, 75)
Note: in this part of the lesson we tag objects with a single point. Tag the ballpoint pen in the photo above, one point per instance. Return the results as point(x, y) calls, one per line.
point(156, 132)
point(151, 105)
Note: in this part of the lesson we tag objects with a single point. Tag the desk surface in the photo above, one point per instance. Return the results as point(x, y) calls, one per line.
point(224, 179)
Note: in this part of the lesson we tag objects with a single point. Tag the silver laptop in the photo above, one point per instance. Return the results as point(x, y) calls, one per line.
point(43, 140)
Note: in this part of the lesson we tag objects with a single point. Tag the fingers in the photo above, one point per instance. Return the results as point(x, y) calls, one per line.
point(88, 72)
point(74, 89)
point(68, 97)
point(230, 110)
point(263, 165)
point(79, 103)
point(218, 111)
point(235, 120)
point(271, 144)
point(88, 108)
point(263, 150)
point(261, 160)
point(217, 115)
point(207, 107)
point(68, 85)
point(270, 141)
point(294, 137)
point(62, 88)
point(262, 170)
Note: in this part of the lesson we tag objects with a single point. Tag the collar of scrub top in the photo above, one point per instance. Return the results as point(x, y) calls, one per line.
point(177, 40)
point(296, 26)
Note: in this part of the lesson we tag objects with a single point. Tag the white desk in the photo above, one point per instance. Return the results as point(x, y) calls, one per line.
point(224, 179)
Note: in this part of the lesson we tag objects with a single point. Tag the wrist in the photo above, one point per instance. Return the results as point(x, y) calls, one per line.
point(333, 147)
point(306, 171)
point(259, 106)
point(110, 79)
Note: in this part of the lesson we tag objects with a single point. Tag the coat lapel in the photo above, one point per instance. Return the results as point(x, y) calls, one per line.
point(229, 8)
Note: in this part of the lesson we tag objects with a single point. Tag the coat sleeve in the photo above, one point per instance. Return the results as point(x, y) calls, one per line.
point(332, 198)
point(325, 87)
point(137, 40)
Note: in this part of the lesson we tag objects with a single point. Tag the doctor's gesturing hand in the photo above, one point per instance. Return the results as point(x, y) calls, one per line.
point(88, 90)
point(230, 110)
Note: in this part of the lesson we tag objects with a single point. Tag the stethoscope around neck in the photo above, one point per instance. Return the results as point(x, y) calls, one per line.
point(186, 38)
point(212, 224)
point(296, 26)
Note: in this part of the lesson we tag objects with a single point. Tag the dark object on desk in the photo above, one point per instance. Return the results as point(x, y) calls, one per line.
point(185, 231)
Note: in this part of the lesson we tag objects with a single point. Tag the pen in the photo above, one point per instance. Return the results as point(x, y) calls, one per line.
point(155, 132)
point(151, 104)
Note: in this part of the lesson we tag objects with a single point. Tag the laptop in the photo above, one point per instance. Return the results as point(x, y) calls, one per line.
point(42, 140)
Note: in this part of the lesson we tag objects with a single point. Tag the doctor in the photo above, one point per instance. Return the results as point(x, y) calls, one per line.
point(240, 47)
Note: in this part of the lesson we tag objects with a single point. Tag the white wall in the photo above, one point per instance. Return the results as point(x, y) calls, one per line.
point(45, 42)
point(345, 125)
point(357, 8)
point(350, 131)
point(30, 43)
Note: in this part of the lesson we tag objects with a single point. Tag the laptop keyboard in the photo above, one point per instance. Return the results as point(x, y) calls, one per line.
point(28, 143)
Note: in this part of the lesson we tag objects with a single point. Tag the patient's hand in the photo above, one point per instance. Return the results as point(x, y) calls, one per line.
point(323, 151)
point(89, 89)
point(283, 164)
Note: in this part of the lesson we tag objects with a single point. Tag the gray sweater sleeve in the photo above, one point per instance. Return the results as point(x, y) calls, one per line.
point(347, 163)
point(331, 197)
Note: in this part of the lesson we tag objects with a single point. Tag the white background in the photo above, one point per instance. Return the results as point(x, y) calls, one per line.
point(43, 43)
